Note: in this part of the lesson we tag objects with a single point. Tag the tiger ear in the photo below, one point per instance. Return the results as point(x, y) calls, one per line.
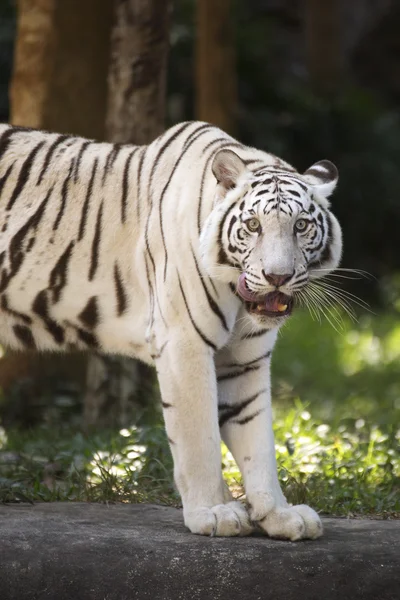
point(227, 168)
point(323, 176)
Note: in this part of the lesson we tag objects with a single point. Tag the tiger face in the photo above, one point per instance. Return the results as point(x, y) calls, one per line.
point(274, 233)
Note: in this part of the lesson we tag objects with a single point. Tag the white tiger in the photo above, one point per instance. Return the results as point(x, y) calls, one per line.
point(186, 254)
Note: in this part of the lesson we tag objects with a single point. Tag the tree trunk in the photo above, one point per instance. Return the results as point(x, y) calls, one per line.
point(216, 85)
point(60, 60)
point(59, 84)
point(138, 71)
point(323, 45)
point(33, 62)
point(136, 114)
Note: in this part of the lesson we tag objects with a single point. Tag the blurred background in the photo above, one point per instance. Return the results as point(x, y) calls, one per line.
point(303, 79)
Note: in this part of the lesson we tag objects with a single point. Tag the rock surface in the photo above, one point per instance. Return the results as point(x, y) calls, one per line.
point(80, 551)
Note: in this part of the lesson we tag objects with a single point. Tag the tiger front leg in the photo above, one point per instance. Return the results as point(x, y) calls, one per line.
point(187, 378)
point(245, 417)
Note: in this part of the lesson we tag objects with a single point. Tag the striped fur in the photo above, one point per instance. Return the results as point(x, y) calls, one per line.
point(137, 251)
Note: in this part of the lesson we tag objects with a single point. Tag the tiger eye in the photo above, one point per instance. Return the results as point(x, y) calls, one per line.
point(301, 225)
point(253, 224)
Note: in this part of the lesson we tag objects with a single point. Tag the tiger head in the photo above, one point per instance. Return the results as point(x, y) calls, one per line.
point(270, 233)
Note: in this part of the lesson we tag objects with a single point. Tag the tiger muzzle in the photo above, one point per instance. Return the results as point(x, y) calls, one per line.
point(273, 304)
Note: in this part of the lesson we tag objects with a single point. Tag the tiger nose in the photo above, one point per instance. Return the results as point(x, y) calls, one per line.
point(277, 280)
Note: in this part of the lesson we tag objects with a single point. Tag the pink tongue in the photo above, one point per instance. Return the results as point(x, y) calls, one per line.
point(271, 302)
point(243, 291)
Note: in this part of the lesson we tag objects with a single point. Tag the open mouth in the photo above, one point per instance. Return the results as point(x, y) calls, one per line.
point(273, 304)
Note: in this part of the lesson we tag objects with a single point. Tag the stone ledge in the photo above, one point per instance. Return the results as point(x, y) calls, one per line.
point(78, 551)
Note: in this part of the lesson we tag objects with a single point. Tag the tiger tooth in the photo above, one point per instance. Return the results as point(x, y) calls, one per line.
point(260, 307)
point(282, 307)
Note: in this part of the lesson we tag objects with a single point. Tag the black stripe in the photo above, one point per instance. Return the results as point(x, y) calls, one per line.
point(213, 305)
point(24, 335)
point(146, 237)
point(17, 250)
point(298, 284)
point(236, 409)
point(5, 307)
point(3, 180)
point(5, 138)
point(64, 194)
point(221, 139)
point(40, 307)
point(200, 202)
point(255, 334)
point(106, 167)
point(94, 261)
point(139, 181)
point(315, 248)
point(214, 287)
point(119, 291)
point(23, 175)
point(266, 182)
point(166, 404)
point(154, 292)
point(195, 135)
point(87, 338)
point(59, 140)
point(234, 374)
point(159, 155)
point(230, 226)
point(246, 420)
point(85, 208)
point(58, 275)
point(251, 362)
point(151, 293)
point(90, 314)
point(165, 146)
point(251, 161)
point(326, 253)
point(111, 158)
point(222, 256)
point(201, 334)
point(125, 184)
point(79, 159)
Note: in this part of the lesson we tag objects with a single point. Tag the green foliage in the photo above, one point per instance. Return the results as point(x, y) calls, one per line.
point(45, 464)
point(347, 454)
point(350, 374)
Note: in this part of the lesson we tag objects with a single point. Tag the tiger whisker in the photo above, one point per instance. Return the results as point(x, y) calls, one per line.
point(339, 270)
point(303, 302)
point(326, 307)
point(344, 294)
point(312, 302)
point(327, 298)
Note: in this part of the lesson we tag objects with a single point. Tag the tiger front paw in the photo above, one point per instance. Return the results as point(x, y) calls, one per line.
point(293, 523)
point(224, 520)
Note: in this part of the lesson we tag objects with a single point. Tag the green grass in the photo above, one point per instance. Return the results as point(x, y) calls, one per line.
point(337, 427)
